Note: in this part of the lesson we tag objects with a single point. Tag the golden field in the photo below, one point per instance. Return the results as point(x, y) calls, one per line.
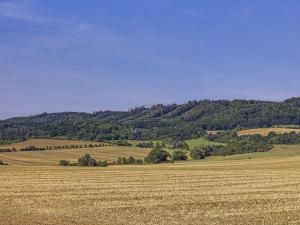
point(266, 131)
point(231, 190)
point(42, 143)
point(52, 157)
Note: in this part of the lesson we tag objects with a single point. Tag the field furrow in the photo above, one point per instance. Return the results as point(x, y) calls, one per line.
point(181, 193)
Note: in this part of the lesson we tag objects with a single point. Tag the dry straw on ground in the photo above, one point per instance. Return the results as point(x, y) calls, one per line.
point(42, 143)
point(52, 157)
point(258, 191)
point(266, 131)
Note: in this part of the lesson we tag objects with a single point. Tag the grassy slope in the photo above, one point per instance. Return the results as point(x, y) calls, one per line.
point(46, 142)
point(111, 153)
point(191, 142)
point(201, 142)
point(135, 142)
point(293, 126)
point(52, 157)
point(279, 151)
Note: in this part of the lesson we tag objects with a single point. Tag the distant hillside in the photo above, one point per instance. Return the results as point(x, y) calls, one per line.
point(187, 120)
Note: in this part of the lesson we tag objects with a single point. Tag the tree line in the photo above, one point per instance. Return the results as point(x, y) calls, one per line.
point(62, 147)
point(272, 138)
point(88, 160)
point(185, 121)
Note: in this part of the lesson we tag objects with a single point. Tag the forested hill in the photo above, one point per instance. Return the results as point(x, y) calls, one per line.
point(159, 121)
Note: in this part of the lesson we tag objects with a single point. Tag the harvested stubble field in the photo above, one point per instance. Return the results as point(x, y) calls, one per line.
point(266, 131)
point(257, 191)
point(52, 157)
point(42, 143)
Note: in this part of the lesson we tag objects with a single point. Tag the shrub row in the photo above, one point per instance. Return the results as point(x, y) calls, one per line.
point(157, 155)
point(148, 144)
point(128, 161)
point(34, 148)
point(7, 150)
point(77, 146)
point(122, 143)
point(170, 144)
point(272, 138)
point(85, 160)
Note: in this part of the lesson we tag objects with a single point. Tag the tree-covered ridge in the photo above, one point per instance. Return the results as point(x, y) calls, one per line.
point(186, 121)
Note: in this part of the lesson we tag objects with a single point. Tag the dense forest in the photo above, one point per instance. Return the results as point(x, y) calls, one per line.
point(184, 121)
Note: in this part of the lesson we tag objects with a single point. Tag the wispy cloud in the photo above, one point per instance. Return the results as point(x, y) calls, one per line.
point(81, 27)
point(26, 11)
point(19, 9)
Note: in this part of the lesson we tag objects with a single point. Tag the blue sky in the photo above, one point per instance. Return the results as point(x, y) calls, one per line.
point(61, 55)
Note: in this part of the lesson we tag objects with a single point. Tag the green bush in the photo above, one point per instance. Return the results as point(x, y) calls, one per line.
point(64, 163)
point(157, 155)
point(7, 150)
point(197, 153)
point(128, 161)
point(178, 155)
point(119, 161)
point(180, 145)
point(87, 160)
point(103, 164)
point(1, 163)
point(139, 161)
point(32, 148)
point(145, 144)
point(124, 160)
point(123, 143)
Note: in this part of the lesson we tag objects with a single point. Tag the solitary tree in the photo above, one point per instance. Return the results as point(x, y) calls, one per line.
point(64, 162)
point(157, 155)
point(197, 153)
point(179, 155)
point(87, 160)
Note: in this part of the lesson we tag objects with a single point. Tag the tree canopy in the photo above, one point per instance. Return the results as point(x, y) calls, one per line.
point(183, 121)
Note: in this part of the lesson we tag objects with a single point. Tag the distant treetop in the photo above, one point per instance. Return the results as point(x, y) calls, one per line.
point(175, 121)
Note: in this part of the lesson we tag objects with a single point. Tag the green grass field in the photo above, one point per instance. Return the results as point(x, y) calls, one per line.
point(191, 142)
point(292, 126)
point(279, 151)
point(201, 142)
point(135, 142)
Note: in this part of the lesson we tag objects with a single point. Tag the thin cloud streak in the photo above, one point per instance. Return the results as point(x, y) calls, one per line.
point(20, 10)
point(24, 10)
point(91, 55)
